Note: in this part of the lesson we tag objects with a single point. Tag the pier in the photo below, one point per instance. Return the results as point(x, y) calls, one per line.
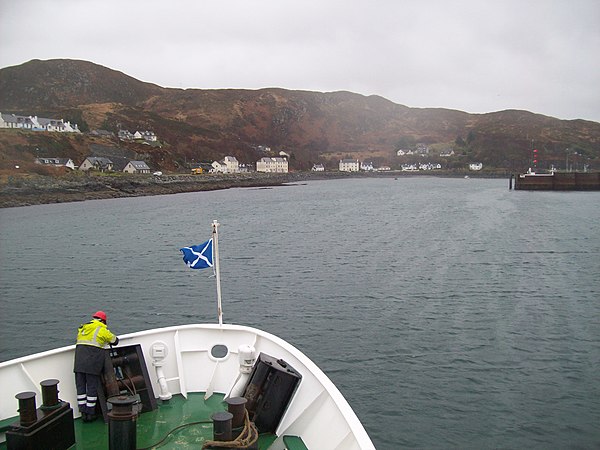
point(557, 181)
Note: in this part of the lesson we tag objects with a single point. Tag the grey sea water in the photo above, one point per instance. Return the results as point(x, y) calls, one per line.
point(451, 313)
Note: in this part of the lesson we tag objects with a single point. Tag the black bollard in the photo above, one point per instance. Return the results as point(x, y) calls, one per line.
point(222, 425)
point(27, 408)
point(122, 423)
point(237, 407)
point(49, 394)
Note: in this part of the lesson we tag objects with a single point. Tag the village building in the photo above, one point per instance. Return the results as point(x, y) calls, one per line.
point(475, 166)
point(368, 166)
point(35, 123)
point(272, 165)
point(146, 136)
point(125, 135)
point(349, 165)
point(318, 168)
point(56, 162)
point(98, 163)
point(229, 164)
point(136, 167)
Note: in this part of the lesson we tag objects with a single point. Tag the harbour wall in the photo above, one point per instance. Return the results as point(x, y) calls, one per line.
point(570, 181)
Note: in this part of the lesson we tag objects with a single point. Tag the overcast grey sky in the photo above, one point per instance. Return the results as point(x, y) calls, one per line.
point(473, 55)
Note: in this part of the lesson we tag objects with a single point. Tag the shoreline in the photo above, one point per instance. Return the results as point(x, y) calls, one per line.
point(75, 187)
point(39, 190)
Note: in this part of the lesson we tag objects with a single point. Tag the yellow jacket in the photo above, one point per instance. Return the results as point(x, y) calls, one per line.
point(95, 333)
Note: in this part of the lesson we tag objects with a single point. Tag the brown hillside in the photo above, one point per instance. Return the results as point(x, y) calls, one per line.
point(197, 125)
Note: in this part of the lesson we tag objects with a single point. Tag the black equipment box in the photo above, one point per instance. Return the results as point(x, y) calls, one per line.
point(269, 391)
point(125, 372)
point(53, 430)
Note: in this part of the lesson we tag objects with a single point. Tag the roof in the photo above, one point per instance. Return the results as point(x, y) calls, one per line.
point(274, 159)
point(52, 160)
point(139, 165)
point(99, 160)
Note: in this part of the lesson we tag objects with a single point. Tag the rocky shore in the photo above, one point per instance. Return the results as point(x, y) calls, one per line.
point(36, 189)
point(77, 186)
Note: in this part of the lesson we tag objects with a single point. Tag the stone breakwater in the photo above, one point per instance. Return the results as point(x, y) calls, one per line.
point(36, 190)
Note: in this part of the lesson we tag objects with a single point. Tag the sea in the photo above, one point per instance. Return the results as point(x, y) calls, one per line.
point(450, 312)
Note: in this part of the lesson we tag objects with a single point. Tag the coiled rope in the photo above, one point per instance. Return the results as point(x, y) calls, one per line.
point(247, 437)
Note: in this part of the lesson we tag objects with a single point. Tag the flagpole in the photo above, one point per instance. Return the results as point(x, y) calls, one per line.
point(215, 233)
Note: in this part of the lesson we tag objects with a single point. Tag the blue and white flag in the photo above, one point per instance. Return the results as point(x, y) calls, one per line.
point(198, 256)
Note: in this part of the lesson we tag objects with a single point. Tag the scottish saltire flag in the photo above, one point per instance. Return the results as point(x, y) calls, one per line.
point(198, 256)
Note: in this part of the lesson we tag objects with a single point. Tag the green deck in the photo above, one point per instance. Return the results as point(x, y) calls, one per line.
point(154, 426)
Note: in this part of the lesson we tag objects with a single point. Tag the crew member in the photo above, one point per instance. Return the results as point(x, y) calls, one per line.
point(92, 337)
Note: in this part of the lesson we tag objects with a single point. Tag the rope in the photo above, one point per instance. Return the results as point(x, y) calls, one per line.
point(185, 425)
point(247, 437)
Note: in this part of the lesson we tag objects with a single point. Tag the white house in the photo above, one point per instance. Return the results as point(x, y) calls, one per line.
point(96, 163)
point(318, 168)
point(149, 136)
point(136, 167)
point(475, 166)
point(366, 166)
point(36, 123)
point(409, 167)
point(233, 166)
point(57, 162)
point(219, 167)
point(227, 165)
point(349, 165)
point(276, 164)
point(125, 135)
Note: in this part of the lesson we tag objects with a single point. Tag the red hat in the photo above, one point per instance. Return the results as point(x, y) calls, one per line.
point(100, 315)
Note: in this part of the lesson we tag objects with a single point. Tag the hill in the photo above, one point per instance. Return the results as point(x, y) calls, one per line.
point(202, 125)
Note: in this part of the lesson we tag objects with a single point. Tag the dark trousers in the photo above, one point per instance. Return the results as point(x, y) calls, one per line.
point(87, 391)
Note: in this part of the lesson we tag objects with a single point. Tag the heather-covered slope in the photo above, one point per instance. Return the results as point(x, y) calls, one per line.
point(200, 125)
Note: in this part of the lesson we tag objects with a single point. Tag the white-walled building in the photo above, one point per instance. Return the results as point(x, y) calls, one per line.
point(136, 167)
point(96, 163)
point(229, 164)
point(475, 166)
point(366, 165)
point(349, 165)
point(274, 165)
point(35, 123)
point(57, 162)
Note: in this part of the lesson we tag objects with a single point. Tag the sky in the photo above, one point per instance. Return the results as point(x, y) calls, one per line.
point(476, 56)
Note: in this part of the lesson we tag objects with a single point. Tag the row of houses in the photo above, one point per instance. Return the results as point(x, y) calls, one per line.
point(354, 165)
point(98, 163)
point(35, 123)
point(230, 164)
point(422, 166)
point(432, 166)
point(422, 149)
point(147, 136)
